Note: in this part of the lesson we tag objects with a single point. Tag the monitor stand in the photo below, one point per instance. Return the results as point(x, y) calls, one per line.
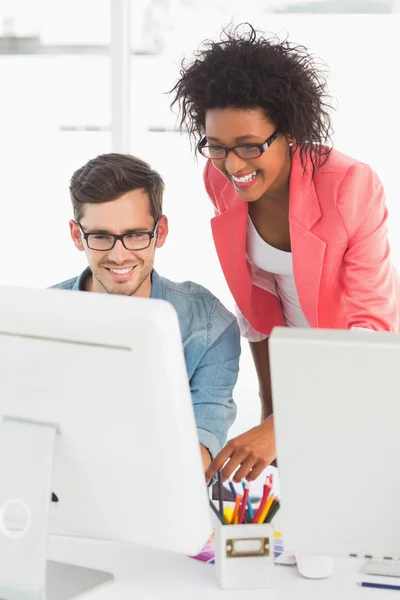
point(26, 458)
point(67, 582)
point(384, 567)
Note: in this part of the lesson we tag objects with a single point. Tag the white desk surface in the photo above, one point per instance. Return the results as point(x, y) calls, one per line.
point(144, 573)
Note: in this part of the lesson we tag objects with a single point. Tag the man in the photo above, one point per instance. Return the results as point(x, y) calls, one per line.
point(118, 223)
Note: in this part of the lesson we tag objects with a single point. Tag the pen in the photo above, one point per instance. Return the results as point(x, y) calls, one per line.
point(380, 586)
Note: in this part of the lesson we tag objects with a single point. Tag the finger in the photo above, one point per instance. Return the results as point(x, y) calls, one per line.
point(257, 470)
point(245, 468)
point(235, 460)
point(218, 462)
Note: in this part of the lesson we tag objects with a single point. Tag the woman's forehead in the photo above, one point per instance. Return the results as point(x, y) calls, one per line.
point(236, 123)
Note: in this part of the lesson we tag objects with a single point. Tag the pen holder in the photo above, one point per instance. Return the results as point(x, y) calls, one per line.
point(244, 555)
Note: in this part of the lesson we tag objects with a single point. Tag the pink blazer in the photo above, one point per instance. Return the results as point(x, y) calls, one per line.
point(341, 255)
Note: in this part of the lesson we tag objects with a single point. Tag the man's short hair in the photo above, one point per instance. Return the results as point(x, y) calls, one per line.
point(109, 176)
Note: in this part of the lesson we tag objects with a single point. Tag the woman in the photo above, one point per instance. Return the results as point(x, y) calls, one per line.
point(300, 229)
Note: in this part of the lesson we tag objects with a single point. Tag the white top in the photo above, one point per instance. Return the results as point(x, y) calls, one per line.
point(273, 272)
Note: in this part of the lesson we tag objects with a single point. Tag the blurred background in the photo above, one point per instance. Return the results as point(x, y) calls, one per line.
point(83, 77)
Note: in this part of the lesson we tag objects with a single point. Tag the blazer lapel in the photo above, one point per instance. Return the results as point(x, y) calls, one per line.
point(308, 250)
point(229, 232)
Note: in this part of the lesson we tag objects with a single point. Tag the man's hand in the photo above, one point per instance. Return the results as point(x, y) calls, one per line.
point(252, 451)
point(206, 456)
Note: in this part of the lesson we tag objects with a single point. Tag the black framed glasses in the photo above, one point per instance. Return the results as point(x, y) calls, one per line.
point(244, 151)
point(135, 240)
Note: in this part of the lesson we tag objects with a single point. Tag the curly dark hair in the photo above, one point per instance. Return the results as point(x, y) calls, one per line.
point(246, 70)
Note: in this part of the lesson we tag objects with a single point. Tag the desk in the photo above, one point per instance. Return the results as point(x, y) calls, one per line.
point(144, 574)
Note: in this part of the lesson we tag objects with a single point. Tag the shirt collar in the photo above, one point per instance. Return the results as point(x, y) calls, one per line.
point(157, 288)
point(80, 281)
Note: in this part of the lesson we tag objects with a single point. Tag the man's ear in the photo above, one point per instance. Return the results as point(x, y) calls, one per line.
point(162, 231)
point(76, 235)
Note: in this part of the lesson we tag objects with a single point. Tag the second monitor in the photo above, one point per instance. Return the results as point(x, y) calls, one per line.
point(336, 397)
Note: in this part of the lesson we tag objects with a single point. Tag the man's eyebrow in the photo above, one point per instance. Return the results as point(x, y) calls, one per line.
point(106, 232)
point(97, 230)
point(138, 230)
point(240, 138)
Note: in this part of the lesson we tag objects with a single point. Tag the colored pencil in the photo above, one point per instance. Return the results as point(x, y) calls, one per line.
point(244, 502)
point(234, 493)
point(228, 512)
point(236, 509)
point(272, 512)
point(264, 499)
point(249, 506)
point(266, 508)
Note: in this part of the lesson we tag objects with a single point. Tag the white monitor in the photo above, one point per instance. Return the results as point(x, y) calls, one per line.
point(98, 382)
point(336, 398)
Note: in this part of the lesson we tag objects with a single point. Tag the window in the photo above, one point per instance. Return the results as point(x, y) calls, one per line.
point(54, 115)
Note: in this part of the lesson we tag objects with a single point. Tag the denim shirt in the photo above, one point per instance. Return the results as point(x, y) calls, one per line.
point(211, 343)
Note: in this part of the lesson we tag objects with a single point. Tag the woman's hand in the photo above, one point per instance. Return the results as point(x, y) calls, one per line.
point(251, 452)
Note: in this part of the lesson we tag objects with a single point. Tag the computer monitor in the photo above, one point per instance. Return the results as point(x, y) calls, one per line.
point(100, 383)
point(336, 399)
